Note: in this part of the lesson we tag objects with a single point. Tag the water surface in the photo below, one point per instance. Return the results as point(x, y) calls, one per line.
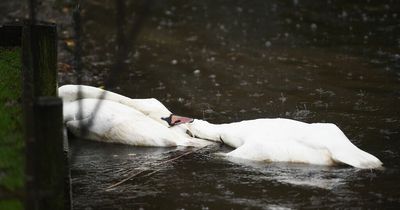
point(224, 61)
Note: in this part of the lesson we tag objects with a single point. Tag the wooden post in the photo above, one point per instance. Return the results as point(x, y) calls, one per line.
point(50, 169)
point(67, 172)
point(46, 166)
point(39, 43)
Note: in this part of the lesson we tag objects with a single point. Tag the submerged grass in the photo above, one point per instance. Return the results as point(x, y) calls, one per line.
point(11, 135)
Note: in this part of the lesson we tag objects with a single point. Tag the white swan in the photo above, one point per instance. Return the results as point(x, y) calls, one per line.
point(285, 140)
point(110, 117)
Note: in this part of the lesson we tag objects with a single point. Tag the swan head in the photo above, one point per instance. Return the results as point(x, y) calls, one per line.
point(176, 120)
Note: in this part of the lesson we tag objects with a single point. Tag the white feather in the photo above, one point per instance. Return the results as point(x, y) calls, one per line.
point(110, 117)
point(285, 140)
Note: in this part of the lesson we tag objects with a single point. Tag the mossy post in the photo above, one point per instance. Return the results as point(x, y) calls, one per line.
point(45, 163)
point(12, 162)
point(49, 161)
point(39, 43)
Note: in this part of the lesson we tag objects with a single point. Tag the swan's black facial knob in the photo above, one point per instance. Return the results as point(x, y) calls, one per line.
point(176, 120)
point(167, 119)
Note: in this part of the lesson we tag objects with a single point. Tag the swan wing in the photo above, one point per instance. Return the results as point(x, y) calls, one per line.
point(114, 122)
point(281, 150)
point(149, 106)
point(328, 137)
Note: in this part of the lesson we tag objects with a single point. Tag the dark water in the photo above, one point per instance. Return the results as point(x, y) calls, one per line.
point(315, 61)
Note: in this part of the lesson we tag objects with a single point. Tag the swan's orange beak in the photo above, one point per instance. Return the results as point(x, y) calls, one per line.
point(176, 120)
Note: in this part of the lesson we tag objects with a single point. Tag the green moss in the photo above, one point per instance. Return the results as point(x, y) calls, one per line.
point(11, 141)
point(11, 204)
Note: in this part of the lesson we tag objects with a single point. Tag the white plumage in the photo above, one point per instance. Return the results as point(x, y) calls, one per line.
point(110, 117)
point(285, 140)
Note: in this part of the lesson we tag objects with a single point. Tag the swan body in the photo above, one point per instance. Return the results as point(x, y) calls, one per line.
point(149, 106)
point(110, 117)
point(285, 140)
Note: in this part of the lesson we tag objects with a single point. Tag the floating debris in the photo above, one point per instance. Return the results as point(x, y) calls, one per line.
point(282, 98)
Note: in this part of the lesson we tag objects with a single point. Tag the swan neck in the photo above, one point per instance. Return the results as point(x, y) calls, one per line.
point(205, 130)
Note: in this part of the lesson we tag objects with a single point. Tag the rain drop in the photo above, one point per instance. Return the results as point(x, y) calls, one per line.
point(313, 27)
